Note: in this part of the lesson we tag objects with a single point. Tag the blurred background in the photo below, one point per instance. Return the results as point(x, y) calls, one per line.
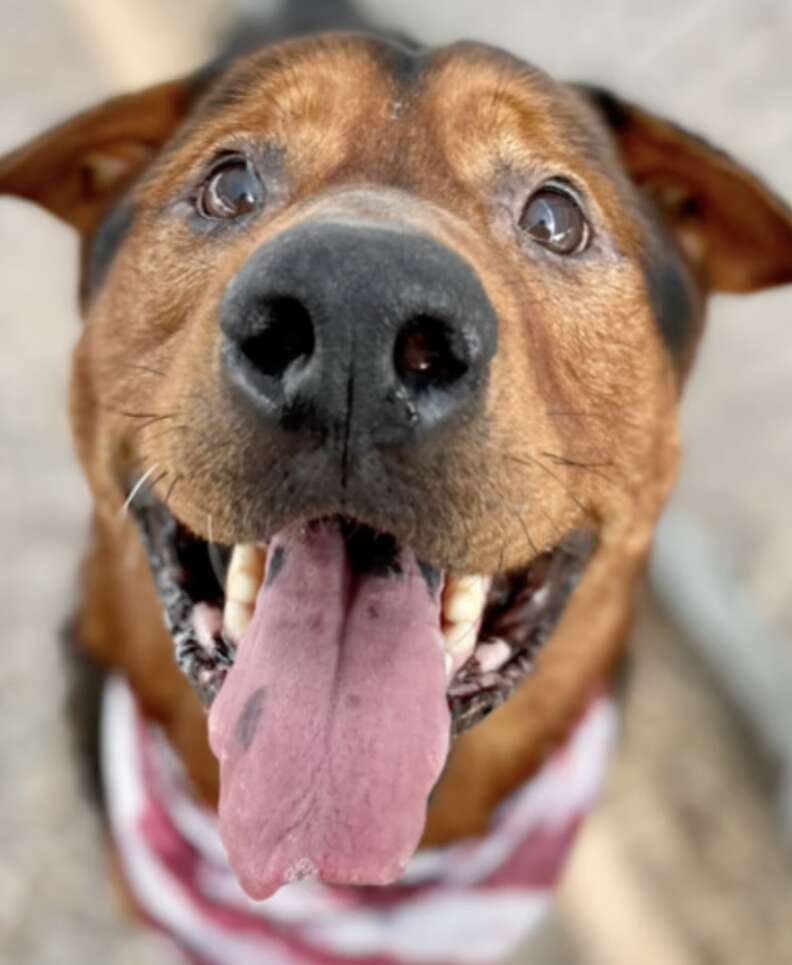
point(688, 859)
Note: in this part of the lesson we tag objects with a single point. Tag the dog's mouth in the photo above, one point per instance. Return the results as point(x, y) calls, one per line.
point(338, 666)
point(492, 627)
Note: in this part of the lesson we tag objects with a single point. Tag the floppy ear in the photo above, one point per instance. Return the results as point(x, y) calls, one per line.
point(734, 230)
point(75, 170)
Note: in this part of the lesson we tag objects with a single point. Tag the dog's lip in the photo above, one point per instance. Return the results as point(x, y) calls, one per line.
point(520, 612)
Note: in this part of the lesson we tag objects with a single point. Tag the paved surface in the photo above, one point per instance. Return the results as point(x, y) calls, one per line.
point(685, 848)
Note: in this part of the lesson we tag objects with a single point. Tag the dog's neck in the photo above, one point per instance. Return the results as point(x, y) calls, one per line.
point(175, 869)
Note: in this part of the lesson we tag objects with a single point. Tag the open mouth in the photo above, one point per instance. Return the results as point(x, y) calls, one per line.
point(338, 666)
point(492, 627)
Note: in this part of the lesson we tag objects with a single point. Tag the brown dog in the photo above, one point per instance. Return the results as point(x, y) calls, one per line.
point(372, 320)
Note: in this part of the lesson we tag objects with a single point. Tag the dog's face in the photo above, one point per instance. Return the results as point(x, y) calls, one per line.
point(407, 331)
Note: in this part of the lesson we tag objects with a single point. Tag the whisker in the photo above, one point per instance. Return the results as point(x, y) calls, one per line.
point(171, 488)
point(500, 499)
point(137, 415)
point(153, 420)
point(153, 483)
point(137, 366)
point(136, 489)
point(609, 417)
point(530, 461)
point(214, 556)
point(590, 467)
point(166, 432)
point(558, 531)
point(502, 530)
point(575, 463)
point(524, 527)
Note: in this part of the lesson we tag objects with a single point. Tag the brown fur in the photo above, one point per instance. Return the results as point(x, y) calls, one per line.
point(580, 421)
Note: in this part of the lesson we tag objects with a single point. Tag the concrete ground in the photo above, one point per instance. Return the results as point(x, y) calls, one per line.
point(684, 862)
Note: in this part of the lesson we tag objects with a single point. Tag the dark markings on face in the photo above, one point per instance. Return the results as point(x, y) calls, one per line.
point(432, 578)
point(250, 718)
point(404, 61)
point(103, 247)
point(201, 80)
point(276, 561)
point(249, 35)
point(617, 115)
point(296, 20)
point(673, 295)
point(613, 111)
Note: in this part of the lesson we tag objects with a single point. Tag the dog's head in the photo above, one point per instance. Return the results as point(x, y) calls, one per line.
point(396, 338)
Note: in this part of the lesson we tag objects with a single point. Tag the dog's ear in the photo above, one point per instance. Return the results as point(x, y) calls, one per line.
point(76, 169)
point(734, 230)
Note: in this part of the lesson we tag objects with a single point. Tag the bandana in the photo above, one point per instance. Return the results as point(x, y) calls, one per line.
point(469, 903)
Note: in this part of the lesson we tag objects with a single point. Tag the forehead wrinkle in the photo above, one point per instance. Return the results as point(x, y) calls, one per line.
point(494, 114)
point(491, 140)
point(307, 97)
point(494, 110)
point(287, 78)
point(241, 77)
point(333, 62)
point(497, 95)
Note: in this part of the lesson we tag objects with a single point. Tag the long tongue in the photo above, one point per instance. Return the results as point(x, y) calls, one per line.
point(333, 725)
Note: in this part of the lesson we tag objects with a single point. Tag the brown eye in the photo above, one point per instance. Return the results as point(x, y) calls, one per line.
point(553, 218)
point(230, 191)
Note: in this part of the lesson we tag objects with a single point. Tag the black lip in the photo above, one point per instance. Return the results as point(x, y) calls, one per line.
point(185, 578)
point(515, 614)
point(523, 607)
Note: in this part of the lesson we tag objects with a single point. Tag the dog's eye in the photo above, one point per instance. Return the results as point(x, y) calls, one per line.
point(230, 191)
point(553, 218)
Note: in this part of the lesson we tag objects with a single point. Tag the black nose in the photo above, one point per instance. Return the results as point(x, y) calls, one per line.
point(368, 332)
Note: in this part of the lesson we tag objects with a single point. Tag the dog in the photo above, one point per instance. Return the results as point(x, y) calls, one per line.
point(377, 396)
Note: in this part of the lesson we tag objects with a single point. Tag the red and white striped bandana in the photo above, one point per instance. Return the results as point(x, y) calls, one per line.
point(469, 903)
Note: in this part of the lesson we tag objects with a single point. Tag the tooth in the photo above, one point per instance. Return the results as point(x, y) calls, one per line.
point(540, 597)
point(460, 638)
point(464, 599)
point(245, 573)
point(236, 618)
point(492, 655)
point(243, 588)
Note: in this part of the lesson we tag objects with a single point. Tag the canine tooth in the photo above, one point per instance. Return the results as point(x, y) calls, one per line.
point(460, 638)
point(245, 573)
point(236, 617)
point(243, 588)
point(464, 599)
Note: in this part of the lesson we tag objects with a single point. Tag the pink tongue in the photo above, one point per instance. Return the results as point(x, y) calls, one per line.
point(333, 726)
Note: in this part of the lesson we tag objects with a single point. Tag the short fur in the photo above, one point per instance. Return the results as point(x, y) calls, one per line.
point(579, 425)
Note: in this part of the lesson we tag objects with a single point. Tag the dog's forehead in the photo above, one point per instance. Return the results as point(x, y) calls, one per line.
point(363, 68)
point(330, 96)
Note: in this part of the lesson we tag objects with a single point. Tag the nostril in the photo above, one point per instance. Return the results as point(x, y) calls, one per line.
point(426, 355)
point(285, 335)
